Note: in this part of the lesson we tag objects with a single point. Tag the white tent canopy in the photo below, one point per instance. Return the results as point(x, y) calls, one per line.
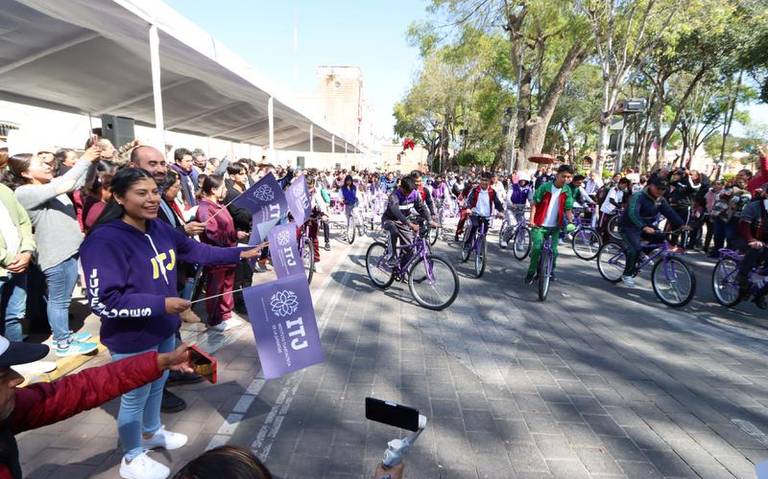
point(93, 57)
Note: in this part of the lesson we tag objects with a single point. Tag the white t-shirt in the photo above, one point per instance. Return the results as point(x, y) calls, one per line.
point(617, 195)
point(553, 210)
point(483, 205)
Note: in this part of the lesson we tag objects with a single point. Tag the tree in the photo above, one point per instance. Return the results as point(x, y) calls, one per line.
point(547, 40)
point(624, 31)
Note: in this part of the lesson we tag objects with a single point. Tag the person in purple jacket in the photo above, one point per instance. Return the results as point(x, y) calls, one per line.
point(130, 260)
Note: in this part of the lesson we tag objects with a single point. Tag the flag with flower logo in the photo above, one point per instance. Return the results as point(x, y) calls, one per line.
point(283, 320)
point(284, 250)
point(268, 204)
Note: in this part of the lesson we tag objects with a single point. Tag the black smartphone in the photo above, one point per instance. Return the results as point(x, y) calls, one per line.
point(392, 414)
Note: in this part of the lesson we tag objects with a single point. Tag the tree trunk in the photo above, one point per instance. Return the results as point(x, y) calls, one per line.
point(603, 137)
point(728, 122)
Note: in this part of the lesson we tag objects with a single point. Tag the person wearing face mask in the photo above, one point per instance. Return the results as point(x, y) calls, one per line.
point(58, 237)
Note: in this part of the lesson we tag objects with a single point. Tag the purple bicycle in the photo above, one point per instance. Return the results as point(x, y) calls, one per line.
point(725, 281)
point(673, 281)
point(432, 280)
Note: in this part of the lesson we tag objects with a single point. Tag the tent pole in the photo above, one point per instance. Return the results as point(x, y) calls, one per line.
point(271, 116)
point(154, 56)
point(311, 142)
point(333, 143)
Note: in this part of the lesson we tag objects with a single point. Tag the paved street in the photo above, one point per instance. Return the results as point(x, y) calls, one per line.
point(599, 381)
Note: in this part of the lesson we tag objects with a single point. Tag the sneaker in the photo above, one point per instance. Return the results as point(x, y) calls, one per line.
point(35, 368)
point(74, 348)
point(317, 269)
point(81, 337)
point(552, 277)
point(760, 301)
point(628, 281)
point(142, 467)
point(177, 378)
point(171, 402)
point(530, 277)
point(327, 246)
point(164, 439)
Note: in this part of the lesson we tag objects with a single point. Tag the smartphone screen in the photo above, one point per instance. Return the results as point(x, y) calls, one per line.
point(204, 364)
point(392, 414)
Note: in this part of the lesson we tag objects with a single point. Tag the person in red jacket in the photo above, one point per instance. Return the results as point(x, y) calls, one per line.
point(41, 404)
point(761, 177)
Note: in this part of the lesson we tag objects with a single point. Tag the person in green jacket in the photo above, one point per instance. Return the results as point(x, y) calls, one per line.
point(17, 245)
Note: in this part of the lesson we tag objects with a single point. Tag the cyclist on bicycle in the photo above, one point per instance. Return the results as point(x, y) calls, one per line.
point(426, 195)
point(518, 195)
point(580, 196)
point(349, 196)
point(395, 216)
point(318, 216)
point(481, 202)
point(753, 228)
point(440, 192)
point(551, 202)
point(637, 223)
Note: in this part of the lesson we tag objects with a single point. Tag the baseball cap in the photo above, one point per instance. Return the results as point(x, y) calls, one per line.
point(12, 353)
point(658, 182)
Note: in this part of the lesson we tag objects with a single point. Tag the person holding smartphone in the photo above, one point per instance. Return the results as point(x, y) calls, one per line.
point(130, 260)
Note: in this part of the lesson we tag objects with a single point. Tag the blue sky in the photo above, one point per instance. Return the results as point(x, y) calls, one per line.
point(366, 33)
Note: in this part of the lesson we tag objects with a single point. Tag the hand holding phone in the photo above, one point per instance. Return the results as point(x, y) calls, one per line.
point(204, 364)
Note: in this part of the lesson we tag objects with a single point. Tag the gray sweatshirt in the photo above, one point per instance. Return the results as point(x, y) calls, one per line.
point(53, 216)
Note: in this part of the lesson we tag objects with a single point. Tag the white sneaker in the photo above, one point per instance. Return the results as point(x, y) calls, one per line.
point(38, 367)
point(165, 439)
point(142, 467)
point(317, 269)
point(628, 281)
point(234, 321)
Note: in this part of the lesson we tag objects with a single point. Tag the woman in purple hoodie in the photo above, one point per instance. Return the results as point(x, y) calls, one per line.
point(130, 260)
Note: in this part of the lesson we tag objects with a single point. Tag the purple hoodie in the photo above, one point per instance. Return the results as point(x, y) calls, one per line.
point(129, 275)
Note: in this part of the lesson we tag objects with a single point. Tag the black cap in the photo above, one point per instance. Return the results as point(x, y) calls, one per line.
point(12, 353)
point(658, 181)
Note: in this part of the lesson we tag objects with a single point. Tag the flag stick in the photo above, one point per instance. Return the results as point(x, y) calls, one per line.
point(217, 295)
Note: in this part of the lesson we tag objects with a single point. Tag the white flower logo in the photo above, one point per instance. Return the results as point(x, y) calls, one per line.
point(264, 193)
point(284, 303)
point(283, 238)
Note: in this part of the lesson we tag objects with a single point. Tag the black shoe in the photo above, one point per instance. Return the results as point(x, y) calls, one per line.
point(552, 277)
point(327, 246)
point(176, 378)
point(760, 301)
point(172, 402)
point(529, 278)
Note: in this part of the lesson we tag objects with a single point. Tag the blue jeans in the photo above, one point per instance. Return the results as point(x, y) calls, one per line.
point(60, 280)
point(13, 297)
point(140, 408)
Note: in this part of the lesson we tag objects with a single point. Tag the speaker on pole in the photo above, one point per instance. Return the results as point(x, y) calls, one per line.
point(117, 129)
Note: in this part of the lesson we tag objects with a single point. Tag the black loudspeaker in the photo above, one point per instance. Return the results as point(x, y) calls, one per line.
point(117, 129)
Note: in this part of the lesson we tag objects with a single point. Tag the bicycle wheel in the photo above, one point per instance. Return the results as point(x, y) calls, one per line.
point(610, 261)
point(586, 243)
point(351, 233)
point(480, 257)
point(502, 233)
point(434, 284)
point(308, 258)
point(724, 282)
point(466, 250)
point(544, 273)
point(613, 228)
point(673, 282)
point(375, 265)
point(521, 243)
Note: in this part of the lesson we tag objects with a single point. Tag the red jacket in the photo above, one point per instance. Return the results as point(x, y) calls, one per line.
point(761, 177)
point(42, 404)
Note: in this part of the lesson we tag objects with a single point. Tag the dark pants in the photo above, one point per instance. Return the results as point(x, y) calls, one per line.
point(312, 232)
point(474, 224)
point(752, 258)
point(726, 231)
point(710, 233)
point(398, 230)
point(633, 245)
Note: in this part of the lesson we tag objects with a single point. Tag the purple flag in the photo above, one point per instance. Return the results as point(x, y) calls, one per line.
point(284, 325)
point(260, 231)
point(298, 200)
point(265, 199)
point(285, 251)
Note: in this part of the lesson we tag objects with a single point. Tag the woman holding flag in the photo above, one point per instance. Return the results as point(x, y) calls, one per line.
point(130, 260)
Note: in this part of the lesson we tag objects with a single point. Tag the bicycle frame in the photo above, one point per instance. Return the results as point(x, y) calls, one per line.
point(479, 234)
point(738, 258)
point(658, 250)
point(421, 251)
